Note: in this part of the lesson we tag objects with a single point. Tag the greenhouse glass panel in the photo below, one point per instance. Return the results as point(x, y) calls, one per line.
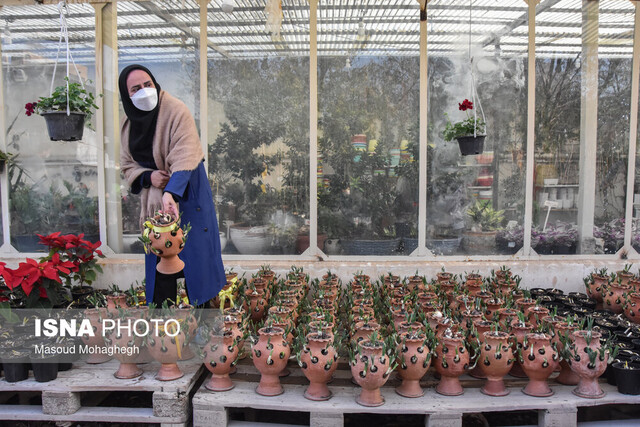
point(52, 184)
point(162, 36)
point(258, 124)
point(368, 128)
point(615, 58)
point(583, 90)
point(477, 84)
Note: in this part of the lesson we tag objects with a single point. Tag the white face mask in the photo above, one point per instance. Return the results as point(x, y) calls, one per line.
point(145, 99)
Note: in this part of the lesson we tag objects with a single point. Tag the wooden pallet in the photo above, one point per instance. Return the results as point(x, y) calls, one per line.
point(212, 409)
point(74, 394)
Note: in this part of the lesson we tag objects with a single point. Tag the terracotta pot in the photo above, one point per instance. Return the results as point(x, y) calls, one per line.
point(493, 305)
point(536, 314)
point(235, 326)
point(260, 284)
point(451, 361)
point(95, 316)
point(215, 303)
point(427, 296)
point(595, 286)
point(364, 330)
point(167, 350)
point(238, 313)
point(219, 356)
point(415, 282)
point(288, 328)
point(470, 316)
point(186, 317)
point(518, 334)
point(321, 326)
point(624, 277)
point(116, 301)
point(371, 371)
point(319, 360)
point(632, 308)
point(588, 371)
point(614, 296)
point(167, 241)
point(400, 316)
point(123, 340)
point(481, 326)
point(443, 277)
point(405, 327)
point(428, 307)
point(256, 306)
point(566, 376)
point(524, 304)
point(496, 360)
point(415, 358)
point(281, 312)
point(270, 357)
point(539, 360)
point(506, 316)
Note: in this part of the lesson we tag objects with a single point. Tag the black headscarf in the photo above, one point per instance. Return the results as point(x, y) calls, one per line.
point(143, 123)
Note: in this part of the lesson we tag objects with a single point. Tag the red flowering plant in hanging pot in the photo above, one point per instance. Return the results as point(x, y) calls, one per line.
point(67, 110)
point(469, 132)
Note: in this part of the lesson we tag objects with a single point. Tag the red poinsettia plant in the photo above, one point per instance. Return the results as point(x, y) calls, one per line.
point(40, 283)
point(466, 127)
point(75, 249)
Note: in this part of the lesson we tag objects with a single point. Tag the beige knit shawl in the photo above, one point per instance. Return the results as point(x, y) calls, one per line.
point(176, 147)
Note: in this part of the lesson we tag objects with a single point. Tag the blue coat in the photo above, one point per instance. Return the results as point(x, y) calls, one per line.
point(203, 270)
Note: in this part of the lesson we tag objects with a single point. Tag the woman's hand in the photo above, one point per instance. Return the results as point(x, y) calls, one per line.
point(169, 205)
point(159, 179)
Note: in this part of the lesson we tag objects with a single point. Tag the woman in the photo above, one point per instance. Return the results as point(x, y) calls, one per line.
point(162, 159)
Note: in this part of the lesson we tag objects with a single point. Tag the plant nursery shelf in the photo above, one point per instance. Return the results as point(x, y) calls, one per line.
point(211, 408)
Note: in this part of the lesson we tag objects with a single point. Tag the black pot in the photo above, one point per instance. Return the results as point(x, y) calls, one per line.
point(628, 380)
point(607, 324)
point(578, 295)
point(582, 311)
point(636, 344)
point(536, 292)
point(554, 292)
point(64, 366)
point(564, 299)
point(80, 293)
point(45, 369)
point(470, 145)
point(625, 336)
point(588, 303)
point(16, 366)
point(64, 128)
point(604, 313)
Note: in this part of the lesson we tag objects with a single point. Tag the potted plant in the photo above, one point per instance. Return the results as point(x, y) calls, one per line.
point(66, 111)
point(485, 223)
point(627, 377)
point(469, 132)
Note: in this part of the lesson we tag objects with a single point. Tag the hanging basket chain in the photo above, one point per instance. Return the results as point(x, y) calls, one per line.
point(63, 9)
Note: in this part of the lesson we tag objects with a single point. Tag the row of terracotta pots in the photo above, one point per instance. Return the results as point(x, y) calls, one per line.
point(132, 347)
point(618, 292)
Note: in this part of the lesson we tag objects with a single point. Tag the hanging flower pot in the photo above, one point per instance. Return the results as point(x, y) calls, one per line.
point(471, 145)
point(63, 127)
point(470, 132)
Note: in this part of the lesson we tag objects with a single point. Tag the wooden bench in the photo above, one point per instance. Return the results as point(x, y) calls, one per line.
point(212, 409)
point(75, 394)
